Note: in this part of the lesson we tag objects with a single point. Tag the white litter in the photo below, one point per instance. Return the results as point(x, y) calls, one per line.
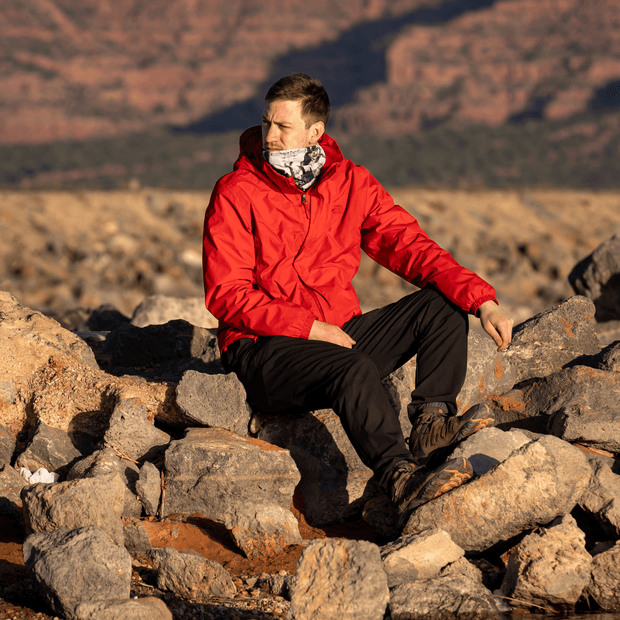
point(41, 475)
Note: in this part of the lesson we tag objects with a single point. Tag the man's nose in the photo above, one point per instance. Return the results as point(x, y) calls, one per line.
point(272, 134)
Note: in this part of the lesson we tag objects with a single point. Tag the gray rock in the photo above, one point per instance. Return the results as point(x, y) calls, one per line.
point(546, 342)
point(488, 447)
point(160, 309)
point(132, 434)
point(77, 566)
point(263, 530)
point(191, 576)
point(51, 448)
point(148, 488)
point(538, 482)
point(105, 462)
point(419, 556)
point(136, 540)
point(341, 579)
point(602, 499)
point(610, 357)
point(584, 407)
point(7, 445)
point(75, 504)
point(146, 608)
point(443, 598)
point(217, 400)
point(549, 567)
point(605, 577)
point(11, 484)
point(214, 472)
point(334, 482)
point(598, 277)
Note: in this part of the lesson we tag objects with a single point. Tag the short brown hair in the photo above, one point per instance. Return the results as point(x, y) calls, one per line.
point(301, 87)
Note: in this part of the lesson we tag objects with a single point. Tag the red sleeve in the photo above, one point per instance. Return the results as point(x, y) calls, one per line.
point(231, 293)
point(394, 239)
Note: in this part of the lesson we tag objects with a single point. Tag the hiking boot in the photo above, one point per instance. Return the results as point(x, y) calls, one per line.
point(411, 486)
point(435, 428)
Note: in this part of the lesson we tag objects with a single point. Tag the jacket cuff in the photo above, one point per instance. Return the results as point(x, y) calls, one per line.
point(476, 305)
point(306, 327)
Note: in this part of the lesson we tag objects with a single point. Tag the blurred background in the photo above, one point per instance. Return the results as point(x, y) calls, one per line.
point(495, 122)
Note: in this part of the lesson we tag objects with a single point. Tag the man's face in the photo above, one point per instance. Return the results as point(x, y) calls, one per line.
point(284, 127)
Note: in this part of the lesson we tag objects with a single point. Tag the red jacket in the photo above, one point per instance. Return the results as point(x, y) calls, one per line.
point(275, 259)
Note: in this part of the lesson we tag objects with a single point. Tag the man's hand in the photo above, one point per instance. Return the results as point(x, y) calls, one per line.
point(496, 323)
point(330, 333)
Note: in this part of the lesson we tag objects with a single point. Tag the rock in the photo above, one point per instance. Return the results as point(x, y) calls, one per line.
point(160, 309)
point(464, 568)
point(601, 499)
point(340, 579)
point(77, 566)
point(145, 608)
point(540, 481)
point(419, 556)
point(7, 443)
point(583, 405)
point(214, 472)
point(105, 462)
point(443, 598)
point(546, 342)
point(50, 448)
point(379, 513)
point(131, 433)
point(11, 484)
point(148, 488)
point(610, 358)
point(549, 567)
point(488, 447)
point(191, 576)
point(78, 503)
point(136, 539)
point(605, 576)
point(598, 277)
point(264, 530)
point(334, 481)
point(217, 400)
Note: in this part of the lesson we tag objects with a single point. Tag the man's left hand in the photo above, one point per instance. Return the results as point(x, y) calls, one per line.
point(496, 323)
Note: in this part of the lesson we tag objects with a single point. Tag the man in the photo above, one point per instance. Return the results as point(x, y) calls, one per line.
point(282, 241)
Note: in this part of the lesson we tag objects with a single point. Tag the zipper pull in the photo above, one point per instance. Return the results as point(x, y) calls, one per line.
point(303, 198)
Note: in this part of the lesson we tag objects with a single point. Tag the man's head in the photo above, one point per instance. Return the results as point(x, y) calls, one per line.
point(296, 112)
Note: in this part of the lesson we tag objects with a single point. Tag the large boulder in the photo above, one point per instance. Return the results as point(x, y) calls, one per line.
point(605, 576)
point(159, 309)
point(537, 483)
point(602, 499)
point(145, 608)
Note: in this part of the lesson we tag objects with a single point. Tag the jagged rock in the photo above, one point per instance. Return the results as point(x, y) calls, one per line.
point(263, 530)
point(213, 472)
point(546, 342)
point(77, 566)
point(341, 579)
point(50, 448)
point(610, 357)
point(598, 277)
point(160, 309)
point(190, 575)
point(148, 488)
point(583, 405)
point(602, 499)
point(7, 443)
point(488, 447)
point(464, 568)
point(145, 608)
point(105, 462)
point(443, 598)
point(136, 539)
point(11, 484)
point(334, 481)
point(214, 400)
point(605, 576)
point(549, 567)
point(78, 503)
point(131, 433)
point(419, 556)
point(538, 482)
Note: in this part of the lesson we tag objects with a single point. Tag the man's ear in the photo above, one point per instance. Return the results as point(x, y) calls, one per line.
point(316, 132)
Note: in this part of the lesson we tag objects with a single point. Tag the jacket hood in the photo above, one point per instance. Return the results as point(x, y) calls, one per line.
point(251, 152)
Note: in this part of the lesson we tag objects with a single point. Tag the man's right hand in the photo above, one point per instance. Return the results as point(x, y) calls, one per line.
point(330, 333)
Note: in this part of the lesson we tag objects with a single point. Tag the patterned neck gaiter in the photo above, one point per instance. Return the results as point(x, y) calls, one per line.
point(303, 164)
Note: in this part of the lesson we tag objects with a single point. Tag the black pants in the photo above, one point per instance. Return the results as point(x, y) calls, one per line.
point(283, 374)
